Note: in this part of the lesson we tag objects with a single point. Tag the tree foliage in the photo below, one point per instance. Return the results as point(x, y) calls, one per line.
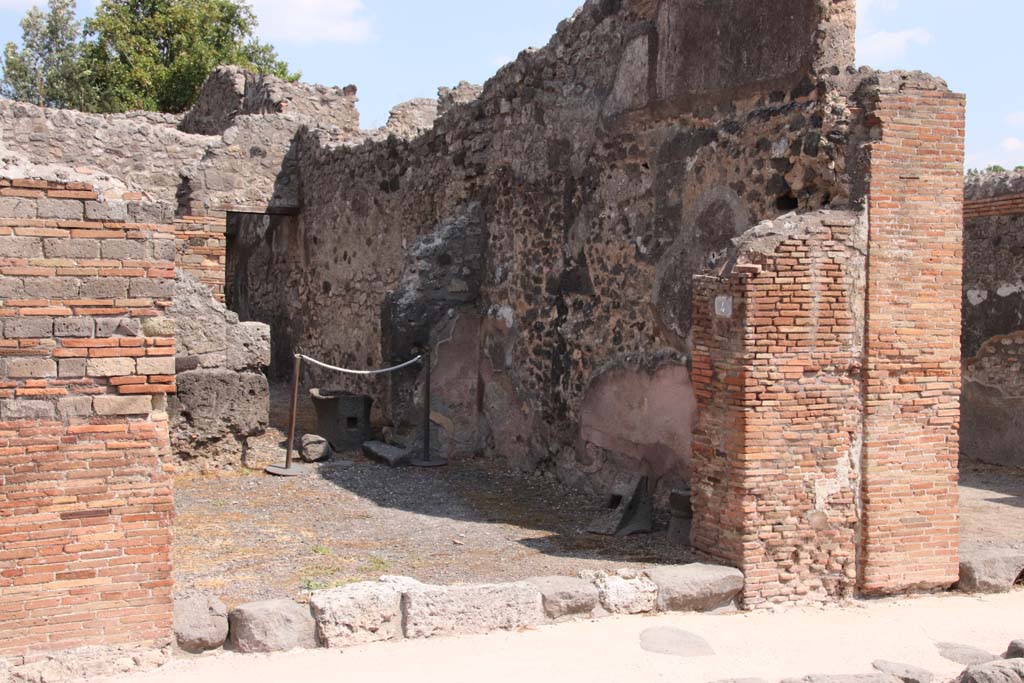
point(47, 70)
point(132, 54)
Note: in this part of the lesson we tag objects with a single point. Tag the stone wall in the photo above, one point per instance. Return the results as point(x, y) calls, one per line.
point(85, 502)
point(992, 420)
point(601, 193)
point(993, 300)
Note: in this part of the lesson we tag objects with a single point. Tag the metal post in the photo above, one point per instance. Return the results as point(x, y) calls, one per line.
point(426, 459)
point(288, 470)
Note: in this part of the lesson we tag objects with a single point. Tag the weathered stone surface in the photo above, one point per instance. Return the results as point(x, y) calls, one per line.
point(1015, 650)
point(122, 405)
point(200, 622)
point(990, 570)
point(450, 610)
point(110, 367)
point(314, 448)
point(566, 596)
point(845, 678)
point(676, 642)
point(392, 456)
point(25, 368)
point(271, 626)
point(248, 346)
point(627, 592)
point(1001, 671)
point(358, 613)
point(904, 672)
point(25, 409)
point(214, 411)
point(695, 587)
point(964, 654)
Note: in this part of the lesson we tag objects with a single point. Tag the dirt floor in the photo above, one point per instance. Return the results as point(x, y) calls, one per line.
point(991, 507)
point(249, 536)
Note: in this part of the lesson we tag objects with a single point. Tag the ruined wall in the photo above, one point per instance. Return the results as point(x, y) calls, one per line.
point(992, 419)
point(777, 349)
point(910, 523)
point(85, 503)
point(993, 300)
point(602, 193)
point(230, 91)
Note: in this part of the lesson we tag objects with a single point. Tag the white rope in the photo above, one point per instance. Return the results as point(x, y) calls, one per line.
point(314, 361)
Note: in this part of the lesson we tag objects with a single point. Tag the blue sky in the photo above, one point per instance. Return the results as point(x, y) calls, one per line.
point(394, 50)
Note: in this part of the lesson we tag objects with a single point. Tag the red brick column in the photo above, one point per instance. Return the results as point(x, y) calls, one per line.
point(910, 521)
point(85, 360)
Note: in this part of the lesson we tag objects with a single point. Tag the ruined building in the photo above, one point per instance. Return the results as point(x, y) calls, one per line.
point(687, 240)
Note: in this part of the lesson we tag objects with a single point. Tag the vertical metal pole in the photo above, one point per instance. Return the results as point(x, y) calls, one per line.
point(288, 470)
point(426, 406)
point(295, 405)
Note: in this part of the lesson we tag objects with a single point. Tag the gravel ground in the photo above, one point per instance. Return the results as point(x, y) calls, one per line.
point(991, 506)
point(251, 536)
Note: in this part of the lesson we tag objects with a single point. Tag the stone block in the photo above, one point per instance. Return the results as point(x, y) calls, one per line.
point(12, 288)
point(74, 406)
point(26, 409)
point(21, 247)
point(110, 367)
point(117, 327)
point(71, 367)
point(163, 249)
point(904, 672)
point(449, 610)
point(155, 365)
point(271, 626)
point(32, 327)
point(213, 410)
point(106, 211)
point(990, 570)
point(24, 368)
point(964, 654)
point(104, 287)
point(52, 287)
point(392, 456)
point(73, 327)
point(1015, 650)
point(695, 587)
point(17, 207)
point(200, 622)
point(59, 247)
point(565, 596)
point(248, 345)
point(109, 405)
point(314, 448)
point(60, 209)
point(626, 592)
point(158, 327)
point(156, 288)
point(358, 613)
point(124, 250)
point(1002, 671)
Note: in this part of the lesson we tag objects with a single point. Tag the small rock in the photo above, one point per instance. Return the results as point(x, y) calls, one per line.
point(1015, 650)
point(392, 456)
point(315, 448)
point(463, 609)
point(904, 672)
point(271, 626)
point(964, 654)
point(565, 596)
point(845, 678)
point(627, 593)
point(1000, 671)
point(990, 571)
point(358, 613)
point(200, 623)
point(673, 641)
point(695, 587)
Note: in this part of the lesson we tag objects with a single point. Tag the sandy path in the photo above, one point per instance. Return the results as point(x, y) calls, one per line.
point(769, 646)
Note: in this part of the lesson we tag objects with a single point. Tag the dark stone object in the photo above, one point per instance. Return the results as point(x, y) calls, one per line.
point(904, 672)
point(343, 418)
point(391, 456)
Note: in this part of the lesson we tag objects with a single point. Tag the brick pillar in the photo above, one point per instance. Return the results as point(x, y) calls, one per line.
point(910, 519)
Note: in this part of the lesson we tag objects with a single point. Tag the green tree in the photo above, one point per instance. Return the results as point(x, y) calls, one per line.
point(47, 70)
point(155, 54)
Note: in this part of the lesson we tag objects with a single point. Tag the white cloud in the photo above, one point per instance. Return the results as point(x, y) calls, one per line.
point(311, 21)
point(1012, 144)
point(884, 46)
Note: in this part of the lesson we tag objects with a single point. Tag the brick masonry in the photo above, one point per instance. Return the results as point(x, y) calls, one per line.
point(825, 454)
point(202, 249)
point(85, 503)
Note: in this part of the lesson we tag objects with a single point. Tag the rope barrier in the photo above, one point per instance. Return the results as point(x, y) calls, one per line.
point(347, 371)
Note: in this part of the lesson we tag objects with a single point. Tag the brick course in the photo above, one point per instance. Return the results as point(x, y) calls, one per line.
point(85, 503)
